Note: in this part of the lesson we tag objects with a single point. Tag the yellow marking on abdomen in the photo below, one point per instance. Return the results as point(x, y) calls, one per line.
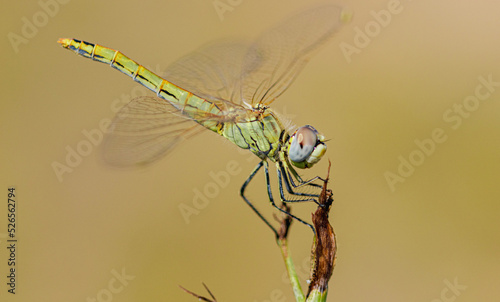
point(189, 104)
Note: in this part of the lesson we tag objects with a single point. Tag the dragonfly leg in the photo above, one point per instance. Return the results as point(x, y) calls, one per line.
point(290, 171)
point(283, 178)
point(242, 193)
point(271, 199)
point(286, 178)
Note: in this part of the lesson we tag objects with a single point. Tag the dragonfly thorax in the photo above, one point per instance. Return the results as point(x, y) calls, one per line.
point(257, 129)
point(305, 147)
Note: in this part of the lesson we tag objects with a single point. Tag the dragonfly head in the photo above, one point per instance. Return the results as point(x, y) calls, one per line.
point(306, 147)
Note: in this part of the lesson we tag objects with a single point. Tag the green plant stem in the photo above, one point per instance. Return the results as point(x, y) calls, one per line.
point(290, 268)
point(317, 296)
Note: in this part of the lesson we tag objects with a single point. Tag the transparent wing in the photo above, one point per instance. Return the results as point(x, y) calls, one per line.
point(212, 72)
point(145, 130)
point(239, 72)
point(278, 56)
point(228, 73)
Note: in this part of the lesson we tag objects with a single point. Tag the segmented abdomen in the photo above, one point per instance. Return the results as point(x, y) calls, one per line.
point(194, 107)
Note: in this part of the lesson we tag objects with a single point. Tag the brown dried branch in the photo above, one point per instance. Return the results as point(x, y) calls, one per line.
point(201, 298)
point(285, 222)
point(324, 246)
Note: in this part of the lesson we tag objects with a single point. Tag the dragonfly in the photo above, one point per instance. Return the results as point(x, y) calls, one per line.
point(226, 87)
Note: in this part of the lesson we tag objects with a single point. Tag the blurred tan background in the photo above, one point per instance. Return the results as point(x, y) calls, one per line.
point(405, 242)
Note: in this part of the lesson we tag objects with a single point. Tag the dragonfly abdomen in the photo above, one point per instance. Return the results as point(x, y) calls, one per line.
point(187, 103)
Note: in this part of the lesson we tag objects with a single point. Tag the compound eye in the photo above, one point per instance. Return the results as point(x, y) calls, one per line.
point(303, 144)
